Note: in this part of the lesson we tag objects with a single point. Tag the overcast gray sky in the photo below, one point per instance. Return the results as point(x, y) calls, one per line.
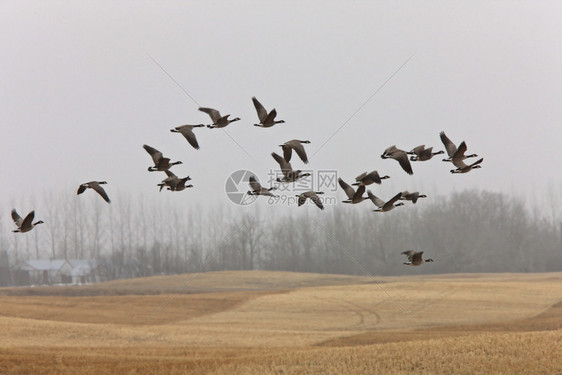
point(80, 93)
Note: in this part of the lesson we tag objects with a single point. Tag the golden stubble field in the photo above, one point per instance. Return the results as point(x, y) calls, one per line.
point(258, 322)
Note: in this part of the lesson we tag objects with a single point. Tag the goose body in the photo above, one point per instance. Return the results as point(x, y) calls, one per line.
point(455, 153)
point(218, 120)
point(297, 146)
point(267, 120)
point(382, 205)
point(24, 225)
point(421, 153)
point(407, 196)
point(464, 168)
point(313, 196)
point(399, 155)
point(369, 178)
point(415, 258)
point(160, 162)
point(289, 175)
point(174, 183)
point(257, 189)
point(187, 132)
point(352, 195)
point(94, 185)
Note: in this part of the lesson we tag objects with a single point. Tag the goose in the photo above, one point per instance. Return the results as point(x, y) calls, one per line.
point(369, 178)
point(455, 153)
point(297, 145)
point(384, 206)
point(95, 185)
point(174, 183)
point(24, 225)
point(257, 189)
point(313, 196)
point(289, 175)
point(415, 258)
point(218, 120)
point(463, 168)
point(399, 155)
point(421, 153)
point(160, 162)
point(187, 132)
point(352, 195)
point(407, 196)
point(267, 120)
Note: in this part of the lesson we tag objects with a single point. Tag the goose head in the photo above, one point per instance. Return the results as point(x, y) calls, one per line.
point(476, 166)
point(422, 196)
point(439, 152)
point(39, 222)
point(319, 192)
point(235, 119)
point(176, 162)
point(471, 156)
point(384, 177)
point(398, 204)
point(188, 186)
point(102, 182)
point(428, 260)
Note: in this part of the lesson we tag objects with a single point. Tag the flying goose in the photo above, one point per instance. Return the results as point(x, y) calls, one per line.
point(421, 153)
point(312, 195)
point(384, 206)
point(289, 175)
point(218, 120)
point(415, 258)
point(455, 153)
point(187, 132)
point(257, 189)
point(399, 155)
point(95, 185)
point(174, 183)
point(296, 145)
point(407, 196)
point(24, 225)
point(463, 168)
point(160, 162)
point(352, 195)
point(267, 120)
point(369, 178)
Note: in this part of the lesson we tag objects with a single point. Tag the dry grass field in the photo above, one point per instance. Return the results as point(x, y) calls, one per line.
point(286, 323)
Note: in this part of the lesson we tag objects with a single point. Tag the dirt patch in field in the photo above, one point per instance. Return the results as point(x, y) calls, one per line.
point(128, 310)
point(548, 320)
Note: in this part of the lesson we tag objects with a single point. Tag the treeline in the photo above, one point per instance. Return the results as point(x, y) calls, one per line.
point(470, 231)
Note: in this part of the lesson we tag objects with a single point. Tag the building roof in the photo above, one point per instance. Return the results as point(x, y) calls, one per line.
point(74, 267)
point(43, 264)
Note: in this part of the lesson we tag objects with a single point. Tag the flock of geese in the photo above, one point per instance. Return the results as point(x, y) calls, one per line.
point(456, 156)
